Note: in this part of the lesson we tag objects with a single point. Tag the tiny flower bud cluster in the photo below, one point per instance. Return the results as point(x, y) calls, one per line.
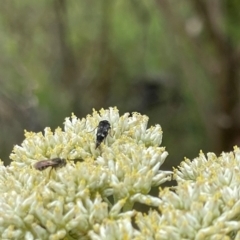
point(204, 205)
point(93, 195)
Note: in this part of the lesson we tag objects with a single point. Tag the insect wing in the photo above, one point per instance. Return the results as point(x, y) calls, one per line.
point(41, 165)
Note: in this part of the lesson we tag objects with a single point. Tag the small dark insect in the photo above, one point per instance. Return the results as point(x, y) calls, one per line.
point(102, 131)
point(54, 163)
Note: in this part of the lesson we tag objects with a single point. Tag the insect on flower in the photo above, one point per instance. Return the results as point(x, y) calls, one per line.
point(102, 131)
point(54, 163)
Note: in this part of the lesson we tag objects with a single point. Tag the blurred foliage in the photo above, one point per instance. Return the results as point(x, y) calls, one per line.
point(169, 60)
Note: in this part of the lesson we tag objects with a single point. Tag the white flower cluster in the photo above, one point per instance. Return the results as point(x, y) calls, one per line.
point(93, 195)
point(204, 205)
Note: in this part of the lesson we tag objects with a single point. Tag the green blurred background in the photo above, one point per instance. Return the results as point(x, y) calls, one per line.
point(175, 61)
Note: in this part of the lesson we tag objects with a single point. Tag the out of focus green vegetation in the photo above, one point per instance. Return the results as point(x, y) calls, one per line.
point(175, 61)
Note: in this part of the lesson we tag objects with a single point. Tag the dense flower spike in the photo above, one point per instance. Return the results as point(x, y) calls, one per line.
point(92, 196)
point(204, 205)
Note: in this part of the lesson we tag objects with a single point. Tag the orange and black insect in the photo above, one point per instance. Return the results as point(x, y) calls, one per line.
point(54, 163)
point(102, 131)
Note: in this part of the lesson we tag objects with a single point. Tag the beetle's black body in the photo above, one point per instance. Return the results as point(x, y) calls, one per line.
point(102, 131)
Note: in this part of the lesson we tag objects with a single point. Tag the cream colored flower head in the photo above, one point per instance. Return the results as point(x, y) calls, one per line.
point(204, 205)
point(96, 184)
